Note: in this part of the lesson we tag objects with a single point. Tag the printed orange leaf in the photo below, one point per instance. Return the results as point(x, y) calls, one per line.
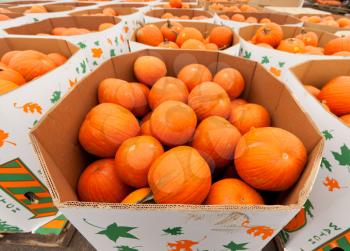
point(109, 41)
point(72, 82)
point(29, 107)
point(3, 137)
point(126, 29)
point(263, 231)
point(182, 245)
point(331, 184)
point(122, 38)
point(96, 52)
point(275, 71)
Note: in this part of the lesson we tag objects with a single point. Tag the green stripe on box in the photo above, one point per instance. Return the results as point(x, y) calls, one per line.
point(23, 190)
point(16, 177)
point(56, 231)
point(45, 210)
point(11, 164)
point(41, 200)
point(61, 217)
point(343, 243)
point(326, 248)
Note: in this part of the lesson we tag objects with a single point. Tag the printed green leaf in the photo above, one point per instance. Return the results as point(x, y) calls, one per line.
point(327, 134)
point(35, 19)
point(94, 63)
point(56, 95)
point(35, 122)
point(97, 43)
point(308, 208)
point(81, 45)
point(116, 40)
point(247, 54)
point(83, 66)
point(343, 157)
point(114, 232)
point(281, 64)
point(234, 246)
point(126, 248)
point(173, 231)
point(77, 70)
point(112, 53)
point(265, 60)
point(7, 228)
point(325, 164)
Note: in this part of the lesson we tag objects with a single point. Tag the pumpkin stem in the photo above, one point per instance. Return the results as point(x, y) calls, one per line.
point(147, 198)
point(12, 143)
point(285, 156)
point(245, 224)
point(266, 31)
point(303, 31)
point(168, 23)
point(92, 224)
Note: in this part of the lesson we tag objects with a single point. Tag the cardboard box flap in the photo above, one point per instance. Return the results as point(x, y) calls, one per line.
point(274, 17)
point(11, 15)
point(178, 12)
point(49, 8)
point(26, 2)
point(63, 159)
point(121, 11)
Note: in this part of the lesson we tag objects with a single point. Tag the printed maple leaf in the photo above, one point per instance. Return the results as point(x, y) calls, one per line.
point(308, 208)
point(112, 53)
point(72, 82)
point(109, 41)
point(234, 246)
point(94, 63)
point(121, 38)
point(331, 184)
point(96, 52)
point(263, 231)
point(327, 134)
point(114, 232)
point(173, 231)
point(29, 107)
point(265, 60)
point(83, 67)
point(97, 43)
point(182, 245)
point(275, 71)
point(116, 40)
point(4, 227)
point(3, 136)
point(281, 64)
point(325, 164)
point(56, 95)
point(81, 45)
point(126, 248)
point(247, 54)
point(126, 29)
point(343, 157)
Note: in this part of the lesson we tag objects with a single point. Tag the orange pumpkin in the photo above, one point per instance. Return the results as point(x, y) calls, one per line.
point(269, 33)
point(342, 53)
point(100, 182)
point(194, 74)
point(136, 196)
point(5, 59)
point(222, 16)
point(337, 45)
point(175, 3)
point(314, 19)
point(346, 119)
point(188, 33)
point(293, 45)
point(170, 30)
point(251, 20)
point(237, 102)
point(193, 44)
point(149, 69)
point(146, 125)
point(108, 11)
point(11, 75)
point(209, 99)
point(150, 35)
point(105, 127)
point(231, 80)
point(6, 86)
point(167, 88)
point(58, 31)
point(180, 176)
point(238, 17)
point(4, 17)
point(36, 9)
point(168, 45)
point(233, 191)
point(270, 158)
point(173, 123)
point(312, 90)
point(105, 26)
point(248, 116)
point(265, 20)
point(336, 95)
point(215, 139)
point(57, 58)
point(134, 159)
point(31, 64)
point(308, 37)
point(167, 15)
point(297, 222)
point(343, 22)
point(313, 50)
point(222, 36)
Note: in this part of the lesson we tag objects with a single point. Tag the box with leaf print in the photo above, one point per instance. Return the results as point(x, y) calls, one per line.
point(147, 226)
point(25, 202)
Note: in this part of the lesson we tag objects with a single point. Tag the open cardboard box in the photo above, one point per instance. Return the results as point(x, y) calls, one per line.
point(281, 19)
point(322, 27)
point(320, 216)
point(98, 46)
point(192, 6)
point(295, 10)
point(279, 61)
point(204, 28)
point(281, 3)
point(121, 11)
point(58, 7)
point(20, 109)
point(209, 6)
point(55, 139)
point(154, 15)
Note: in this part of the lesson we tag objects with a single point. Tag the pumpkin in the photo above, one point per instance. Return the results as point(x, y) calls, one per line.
point(193, 44)
point(314, 19)
point(237, 102)
point(168, 45)
point(233, 191)
point(270, 158)
point(146, 125)
point(167, 15)
point(149, 69)
point(136, 196)
point(105, 26)
point(308, 37)
point(185, 17)
point(312, 90)
point(4, 17)
point(150, 35)
point(248, 116)
point(188, 33)
point(199, 18)
point(194, 74)
point(5, 59)
point(31, 64)
point(222, 36)
point(238, 17)
point(108, 11)
point(269, 33)
point(105, 127)
point(297, 222)
point(58, 31)
point(6, 86)
point(57, 58)
point(225, 17)
point(342, 53)
point(170, 30)
point(211, 47)
point(134, 159)
point(251, 20)
point(175, 3)
point(336, 95)
point(293, 45)
point(215, 139)
point(180, 176)
point(209, 99)
point(337, 45)
point(346, 119)
point(100, 182)
point(167, 88)
point(173, 123)
point(36, 9)
point(313, 50)
point(265, 45)
point(132, 96)
point(343, 22)
point(231, 80)
point(265, 20)
point(11, 75)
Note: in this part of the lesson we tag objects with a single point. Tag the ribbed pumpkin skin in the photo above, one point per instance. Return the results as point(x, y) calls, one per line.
point(297, 222)
point(215, 139)
point(233, 192)
point(180, 176)
point(312, 90)
point(173, 123)
point(134, 158)
point(146, 125)
point(99, 182)
point(270, 158)
point(346, 119)
point(149, 69)
point(194, 74)
point(137, 195)
point(337, 45)
point(11, 75)
point(6, 86)
point(231, 80)
point(336, 95)
point(59, 59)
point(269, 33)
point(105, 127)
point(8, 56)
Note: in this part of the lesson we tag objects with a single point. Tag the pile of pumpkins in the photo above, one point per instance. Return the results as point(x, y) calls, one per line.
point(4, 17)
point(168, 15)
point(73, 31)
point(342, 22)
point(240, 18)
point(232, 8)
point(169, 136)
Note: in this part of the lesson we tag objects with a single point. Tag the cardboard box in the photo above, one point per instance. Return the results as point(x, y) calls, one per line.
point(217, 7)
point(204, 28)
point(24, 2)
point(326, 216)
point(154, 15)
point(278, 18)
point(208, 227)
point(283, 3)
point(98, 46)
point(192, 6)
point(16, 19)
point(295, 11)
point(279, 61)
point(322, 27)
point(139, 6)
point(21, 109)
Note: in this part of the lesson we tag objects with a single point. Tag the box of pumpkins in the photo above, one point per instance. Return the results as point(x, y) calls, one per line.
point(99, 37)
point(34, 74)
point(189, 15)
point(187, 36)
point(323, 88)
point(179, 149)
point(329, 23)
point(279, 47)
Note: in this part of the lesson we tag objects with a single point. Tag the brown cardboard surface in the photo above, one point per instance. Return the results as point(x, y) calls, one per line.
point(46, 25)
point(55, 7)
point(178, 12)
point(121, 11)
point(125, 5)
point(282, 3)
point(12, 15)
point(56, 138)
point(274, 17)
